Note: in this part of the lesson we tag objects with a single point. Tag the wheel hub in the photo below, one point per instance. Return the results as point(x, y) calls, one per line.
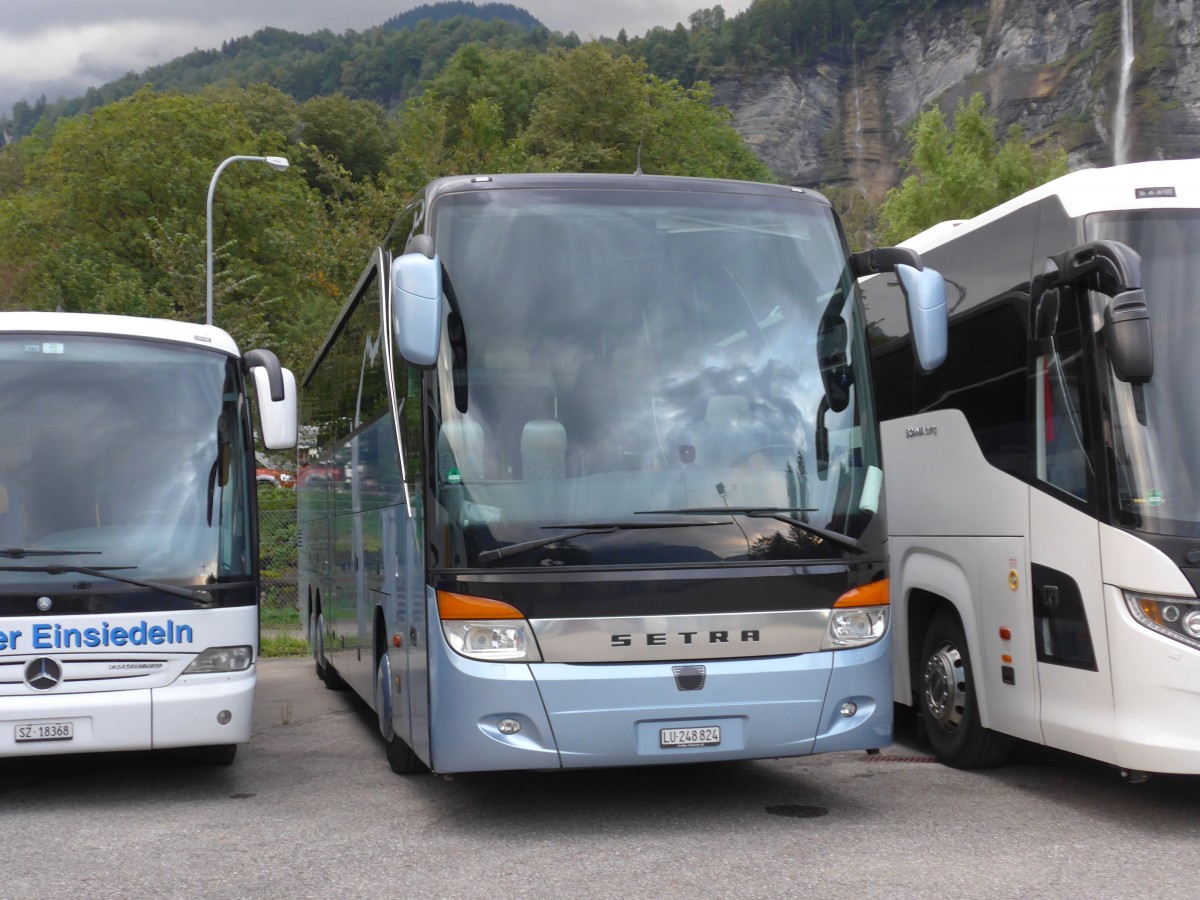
point(945, 686)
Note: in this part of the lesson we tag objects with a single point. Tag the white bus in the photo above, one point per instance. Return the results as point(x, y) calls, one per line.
point(1043, 487)
point(128, 532)
point(594, 477)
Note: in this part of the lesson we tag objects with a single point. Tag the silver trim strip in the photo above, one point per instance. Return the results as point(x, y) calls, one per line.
point(669, 638)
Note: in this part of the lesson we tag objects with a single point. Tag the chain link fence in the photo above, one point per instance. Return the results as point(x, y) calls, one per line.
point(277, 553)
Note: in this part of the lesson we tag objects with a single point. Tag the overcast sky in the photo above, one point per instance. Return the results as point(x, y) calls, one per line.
point(62, 47)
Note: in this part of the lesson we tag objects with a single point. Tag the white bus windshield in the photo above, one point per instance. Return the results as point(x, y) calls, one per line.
point(1156, 427)
point(648, 360)
point(120, 453)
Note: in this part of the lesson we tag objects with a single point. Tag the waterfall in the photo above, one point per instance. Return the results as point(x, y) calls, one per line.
point(858, 142)
point(1121, 114)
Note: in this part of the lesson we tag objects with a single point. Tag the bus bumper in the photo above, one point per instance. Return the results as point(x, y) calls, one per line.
point(577, 716)
point(183, 714)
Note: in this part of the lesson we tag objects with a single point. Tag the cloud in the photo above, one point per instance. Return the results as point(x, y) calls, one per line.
point(68, 60)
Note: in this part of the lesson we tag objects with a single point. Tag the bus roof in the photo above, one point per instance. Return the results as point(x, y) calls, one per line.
point(560, 181)
point(1159, 184)
point(118, 326)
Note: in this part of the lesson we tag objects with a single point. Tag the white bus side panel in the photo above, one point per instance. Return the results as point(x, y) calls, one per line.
point(1077, 704)
point(938, 482)
point(973, 574)
point(956, 524)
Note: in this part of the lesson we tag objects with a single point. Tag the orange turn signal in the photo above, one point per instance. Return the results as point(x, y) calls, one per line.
point(464, 606)
point(877, 593)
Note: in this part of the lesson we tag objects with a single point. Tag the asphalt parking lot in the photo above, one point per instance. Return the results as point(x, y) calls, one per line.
point(310, 808)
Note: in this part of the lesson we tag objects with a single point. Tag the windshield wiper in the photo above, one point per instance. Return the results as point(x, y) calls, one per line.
point(764, 512)
point(107, 572)
point(488, 556)
point(21, 552)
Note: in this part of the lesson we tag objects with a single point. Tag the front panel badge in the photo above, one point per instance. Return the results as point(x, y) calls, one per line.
point(43, 673)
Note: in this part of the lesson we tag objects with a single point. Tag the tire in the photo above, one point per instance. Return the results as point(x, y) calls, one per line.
point(402, 759)
point(325, 671)
point(383, 697)
point(946, 698)
point(400, 756)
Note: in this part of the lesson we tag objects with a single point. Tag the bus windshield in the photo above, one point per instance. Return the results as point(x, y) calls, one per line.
point(1156, 427)
point(656, 376)
point(123, 455)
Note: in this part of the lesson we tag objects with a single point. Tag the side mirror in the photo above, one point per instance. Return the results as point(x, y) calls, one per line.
point(417, 307)
point(1127, 335)
point(925, 291)
point(275, 388)
point(836, 378)
point(1115, 270)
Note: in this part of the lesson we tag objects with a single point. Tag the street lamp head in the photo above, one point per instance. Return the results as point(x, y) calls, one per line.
point(278, 163)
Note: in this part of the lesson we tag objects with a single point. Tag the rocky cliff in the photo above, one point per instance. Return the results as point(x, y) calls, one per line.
point(1054, 67)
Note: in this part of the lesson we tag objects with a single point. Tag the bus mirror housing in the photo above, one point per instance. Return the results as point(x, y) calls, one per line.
point(925, 291)
point(417, 307)
point(1115, 270)
point(1127, 336)
point(275, 390)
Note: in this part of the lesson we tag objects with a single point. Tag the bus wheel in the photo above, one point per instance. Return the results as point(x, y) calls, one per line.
point(325, 671)
point(314, 626)
point(383, 697)
point(947, 700)
point(402, 759)
point(399, 755)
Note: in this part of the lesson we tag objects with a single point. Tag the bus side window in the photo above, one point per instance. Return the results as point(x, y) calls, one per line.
point(1059, 404)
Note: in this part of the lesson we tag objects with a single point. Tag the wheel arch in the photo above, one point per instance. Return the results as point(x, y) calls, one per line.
point(930, 582)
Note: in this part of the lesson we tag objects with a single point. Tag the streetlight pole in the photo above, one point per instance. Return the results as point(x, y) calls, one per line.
point(278, 163)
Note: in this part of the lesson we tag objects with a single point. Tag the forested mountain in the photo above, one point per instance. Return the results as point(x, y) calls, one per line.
point(383, 65)
point(824, 90)
point(105, 212)
point(441, 12)
point(817, 92)
point(387, 64)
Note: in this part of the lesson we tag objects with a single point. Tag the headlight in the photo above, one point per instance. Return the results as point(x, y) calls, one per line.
point(221, 659)
point(1173, 617)
point(859, 617)
point(855, 627)
point(499, 641)
point(483, 628)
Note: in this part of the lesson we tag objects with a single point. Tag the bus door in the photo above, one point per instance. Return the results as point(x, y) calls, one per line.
point(411, 693)
point(1067, 592)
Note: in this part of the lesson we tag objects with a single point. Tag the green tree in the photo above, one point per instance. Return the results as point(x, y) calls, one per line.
point(583, 110)
point(108, 215)
point(961, 170)
point(602, 113)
